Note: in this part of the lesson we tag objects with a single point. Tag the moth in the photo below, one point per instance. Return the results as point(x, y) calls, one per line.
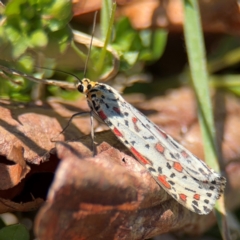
point(181, 174)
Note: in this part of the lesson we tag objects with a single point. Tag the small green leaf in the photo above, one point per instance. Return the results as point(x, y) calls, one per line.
point(2, 224)
point(59, 14)
point(59, 40)
point(125, 42)
point(20, 48)
point(13, 7)
point(26, 62)
point(146, 55)
point(39, 38)
point(131, 57)
point(12, 34)
point(54, 25)
point(159, 43)
point(14, 232)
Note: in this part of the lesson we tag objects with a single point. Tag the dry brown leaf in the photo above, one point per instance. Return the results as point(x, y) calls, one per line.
point(25, 152)
point(218, 16)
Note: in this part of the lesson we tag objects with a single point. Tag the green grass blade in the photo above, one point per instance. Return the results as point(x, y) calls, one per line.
point(105, 16)
point(100, 63)
point(197, 61)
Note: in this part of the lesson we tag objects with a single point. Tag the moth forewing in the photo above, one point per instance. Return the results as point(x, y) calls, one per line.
point(185, 177)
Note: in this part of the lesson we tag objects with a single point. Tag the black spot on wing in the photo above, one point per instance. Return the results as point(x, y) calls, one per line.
point(196, 210)
point(172, 155)
point(206, 201)
point(171, 182)
point(168, 165)
point(193, 171)
point(206, 209)
point(172, 175)
point(133, 142)
point(174, 196)
point(195, 179)
point(190, 190)
point(195, 203)
point(150, 169)
point(209, 194)
point(174, 143)
point(150, 137)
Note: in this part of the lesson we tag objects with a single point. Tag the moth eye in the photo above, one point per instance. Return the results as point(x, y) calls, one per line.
point(80, 88)
point(89, 86)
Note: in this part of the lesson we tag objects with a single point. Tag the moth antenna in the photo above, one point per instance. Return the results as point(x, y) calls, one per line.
point(90, 47)
point(60, 71)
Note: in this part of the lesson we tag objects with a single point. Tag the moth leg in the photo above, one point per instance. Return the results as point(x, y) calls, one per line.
point(73, 116)
point(92, 129)
point(92, 135)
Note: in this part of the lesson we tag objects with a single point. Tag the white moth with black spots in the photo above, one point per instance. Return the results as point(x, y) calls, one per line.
point(185, 177)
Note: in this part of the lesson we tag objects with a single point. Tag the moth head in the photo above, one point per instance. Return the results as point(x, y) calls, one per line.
point(85, 85)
